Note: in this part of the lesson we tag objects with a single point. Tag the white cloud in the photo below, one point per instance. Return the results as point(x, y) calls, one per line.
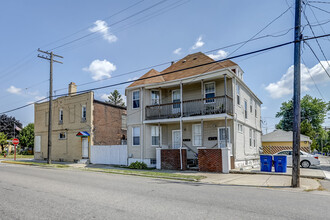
point(199, 43)
point(285, 85)
point(263, 107)
point(102, 28)
point(14, 90)
point(100, 69)
point(221, 54)
point(134, 78)
point(177, 51)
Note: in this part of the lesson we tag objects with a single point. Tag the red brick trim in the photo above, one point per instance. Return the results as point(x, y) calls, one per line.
point(210, 160)
point(171, 159)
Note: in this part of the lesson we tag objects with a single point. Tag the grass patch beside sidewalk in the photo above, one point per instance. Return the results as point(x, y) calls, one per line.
point(11, 156)
point(142, 173)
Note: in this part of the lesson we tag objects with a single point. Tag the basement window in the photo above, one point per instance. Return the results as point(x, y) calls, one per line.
point(62, 136)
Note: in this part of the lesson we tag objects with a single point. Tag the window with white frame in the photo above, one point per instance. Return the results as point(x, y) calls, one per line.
point(155, 135)
point(62, 136)
point(254, 138)
point(250, 137)
point(136, 135)
point(238, 94)
point(136, 99)
point(83, 113)
point(60, 116)
point(209, 91)
point(245, 109)
point(197, 134)
point(176, 98)
point(155, 97)
point(240, 128)
point(251, 105)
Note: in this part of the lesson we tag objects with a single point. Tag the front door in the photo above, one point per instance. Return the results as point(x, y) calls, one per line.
point(221, 134)
point(176, 139)
point(84, 143)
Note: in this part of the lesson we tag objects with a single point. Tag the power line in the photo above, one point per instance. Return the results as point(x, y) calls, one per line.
point(83, 29)
point(319, 8)
point(263, 29)
point(200, 65)
point(316, 39)
point(317, 58)
point(117, 22)
point(321, 2)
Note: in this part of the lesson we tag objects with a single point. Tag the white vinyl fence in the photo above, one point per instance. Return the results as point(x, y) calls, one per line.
point(109, 154)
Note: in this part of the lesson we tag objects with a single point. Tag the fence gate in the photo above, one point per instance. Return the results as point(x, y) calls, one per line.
point(109, 154)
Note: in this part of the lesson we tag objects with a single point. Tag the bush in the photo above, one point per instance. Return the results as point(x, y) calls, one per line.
point(138, 165)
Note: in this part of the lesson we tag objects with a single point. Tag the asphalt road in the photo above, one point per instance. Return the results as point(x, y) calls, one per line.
point(42, 193)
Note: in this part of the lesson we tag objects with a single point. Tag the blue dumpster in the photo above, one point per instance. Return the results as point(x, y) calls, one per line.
point(266, 162)
point(280, 162)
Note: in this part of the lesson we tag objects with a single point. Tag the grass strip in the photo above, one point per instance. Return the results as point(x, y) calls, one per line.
point(152, 174)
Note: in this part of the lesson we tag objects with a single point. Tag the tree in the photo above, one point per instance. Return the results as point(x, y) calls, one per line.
point(313, 113)
point(115, 98)
point(26, 136)
point(3, 140)
point(7, 125)
point(313, 110)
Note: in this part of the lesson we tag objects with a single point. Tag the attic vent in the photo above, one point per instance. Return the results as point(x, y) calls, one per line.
point(195, 58)
point(184, 61)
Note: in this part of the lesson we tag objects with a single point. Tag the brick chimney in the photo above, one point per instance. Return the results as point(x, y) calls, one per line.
point(72, 88)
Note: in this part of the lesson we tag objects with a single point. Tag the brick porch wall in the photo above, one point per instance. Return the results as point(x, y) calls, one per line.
point(210, 160)
point(171, 159)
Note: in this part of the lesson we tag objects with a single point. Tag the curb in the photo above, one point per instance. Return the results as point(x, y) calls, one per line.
point(278, 174)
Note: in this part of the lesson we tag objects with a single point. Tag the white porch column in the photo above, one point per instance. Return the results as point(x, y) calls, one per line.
point(226, 135)
point(202, 132)
point(225, 152)
point(158, 158)
point(181, 136)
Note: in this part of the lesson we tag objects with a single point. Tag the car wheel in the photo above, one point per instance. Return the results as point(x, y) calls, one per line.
point(305, 164)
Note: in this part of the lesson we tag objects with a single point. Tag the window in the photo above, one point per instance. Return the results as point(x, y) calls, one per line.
point(254, 138)
point(222, 136)
point(123, 122)
point(83, 113)
point(60, 116)
point(155, 98)
point(251, 105)
point(155, 137)
point(197, 135)
point(245, 109)
point(240, 128)
point(136, 135)
point(176, 98)
point(209, 90)
point(255, 108)
point(62, 136)
point(238, 94)
point(153, 161)
point(250, 139)
point(136, 99)
point(37, 143)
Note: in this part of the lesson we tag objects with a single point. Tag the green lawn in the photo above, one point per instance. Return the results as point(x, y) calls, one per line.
point(17, 156)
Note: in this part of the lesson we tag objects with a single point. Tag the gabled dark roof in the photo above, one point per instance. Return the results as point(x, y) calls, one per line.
point(109, 104)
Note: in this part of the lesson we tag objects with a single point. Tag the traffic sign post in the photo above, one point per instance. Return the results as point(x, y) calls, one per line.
point(15, 142)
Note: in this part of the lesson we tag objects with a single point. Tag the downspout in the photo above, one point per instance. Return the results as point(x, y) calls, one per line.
point(225, 79)
point(141, 132)
point(181, 110)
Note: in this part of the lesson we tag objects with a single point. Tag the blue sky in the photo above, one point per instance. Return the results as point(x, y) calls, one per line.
point(145, 40)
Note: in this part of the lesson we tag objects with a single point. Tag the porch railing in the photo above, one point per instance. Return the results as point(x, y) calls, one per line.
point(196, 107)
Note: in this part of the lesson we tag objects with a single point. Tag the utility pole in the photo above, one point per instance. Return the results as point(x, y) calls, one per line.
point(296, 99)
point(50, 57)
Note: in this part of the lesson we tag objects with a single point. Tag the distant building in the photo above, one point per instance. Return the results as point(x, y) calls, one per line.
point(279, 140)
point(78, 122)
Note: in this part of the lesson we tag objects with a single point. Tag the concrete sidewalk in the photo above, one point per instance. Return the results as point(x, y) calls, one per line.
point(271, 180)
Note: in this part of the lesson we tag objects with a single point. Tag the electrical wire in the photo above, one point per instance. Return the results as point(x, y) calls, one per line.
point(317, 58)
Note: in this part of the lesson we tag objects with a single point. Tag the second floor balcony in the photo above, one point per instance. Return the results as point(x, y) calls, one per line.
point(190, 108)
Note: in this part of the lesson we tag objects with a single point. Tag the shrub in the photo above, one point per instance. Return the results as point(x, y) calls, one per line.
point(138, 165)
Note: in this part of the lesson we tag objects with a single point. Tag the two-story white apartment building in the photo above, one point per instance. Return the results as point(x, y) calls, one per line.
point(188, 106)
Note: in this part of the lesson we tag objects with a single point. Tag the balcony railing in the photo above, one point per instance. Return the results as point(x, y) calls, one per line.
point(196, 107)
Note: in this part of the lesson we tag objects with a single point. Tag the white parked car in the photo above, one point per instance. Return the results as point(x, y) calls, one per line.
point(306, 159)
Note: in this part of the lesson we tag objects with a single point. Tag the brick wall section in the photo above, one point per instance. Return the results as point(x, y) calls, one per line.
point(276, 149)
point(210, 160)
point(108, 124)
point(171, 159)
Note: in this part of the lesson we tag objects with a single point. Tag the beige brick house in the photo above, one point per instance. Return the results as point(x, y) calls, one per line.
point(191, 109)
point(78, 122)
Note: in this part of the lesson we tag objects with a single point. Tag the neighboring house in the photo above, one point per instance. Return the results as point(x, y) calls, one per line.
point(187, 110)
point(279, 140)
point(78, 122)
